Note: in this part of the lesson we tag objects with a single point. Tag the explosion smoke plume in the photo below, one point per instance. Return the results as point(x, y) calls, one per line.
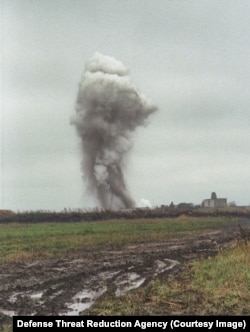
point(108, 110)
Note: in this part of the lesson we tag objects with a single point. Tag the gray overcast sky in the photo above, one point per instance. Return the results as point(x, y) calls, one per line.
point(190, 57)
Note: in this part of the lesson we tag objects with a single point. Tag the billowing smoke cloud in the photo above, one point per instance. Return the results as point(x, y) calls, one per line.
point(108, 109)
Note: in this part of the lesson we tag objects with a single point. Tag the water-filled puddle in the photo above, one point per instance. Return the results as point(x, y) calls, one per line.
point(83, 300)
point(127, 282)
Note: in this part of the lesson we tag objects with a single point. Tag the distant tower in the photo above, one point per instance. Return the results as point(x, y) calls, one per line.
point(213, 195)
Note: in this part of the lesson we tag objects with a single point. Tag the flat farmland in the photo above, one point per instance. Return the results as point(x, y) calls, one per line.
point(123, 267)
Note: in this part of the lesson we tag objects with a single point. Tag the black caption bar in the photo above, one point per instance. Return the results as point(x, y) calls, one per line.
point(80, 323)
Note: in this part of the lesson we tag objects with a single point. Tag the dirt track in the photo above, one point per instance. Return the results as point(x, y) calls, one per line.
point(69, 285)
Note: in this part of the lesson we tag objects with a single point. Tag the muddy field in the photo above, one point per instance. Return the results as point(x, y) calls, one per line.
point(70, 285)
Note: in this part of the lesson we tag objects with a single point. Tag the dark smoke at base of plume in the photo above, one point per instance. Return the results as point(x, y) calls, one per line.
point(108, 109)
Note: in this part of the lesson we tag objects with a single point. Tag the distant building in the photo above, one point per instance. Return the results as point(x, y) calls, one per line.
point(6, 212)
point(185, 205)
point(214, 202)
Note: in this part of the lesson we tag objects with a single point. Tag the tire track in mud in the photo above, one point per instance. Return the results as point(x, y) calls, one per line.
point(69, 285)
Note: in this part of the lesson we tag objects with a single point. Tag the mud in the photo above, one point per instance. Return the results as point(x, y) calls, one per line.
point(70, 285)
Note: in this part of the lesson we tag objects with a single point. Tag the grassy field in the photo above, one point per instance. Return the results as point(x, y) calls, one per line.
point(43, 240)
point(215, 286)
point(219, 285)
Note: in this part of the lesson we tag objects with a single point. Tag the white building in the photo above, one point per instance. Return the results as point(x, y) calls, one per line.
point(214, 202)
